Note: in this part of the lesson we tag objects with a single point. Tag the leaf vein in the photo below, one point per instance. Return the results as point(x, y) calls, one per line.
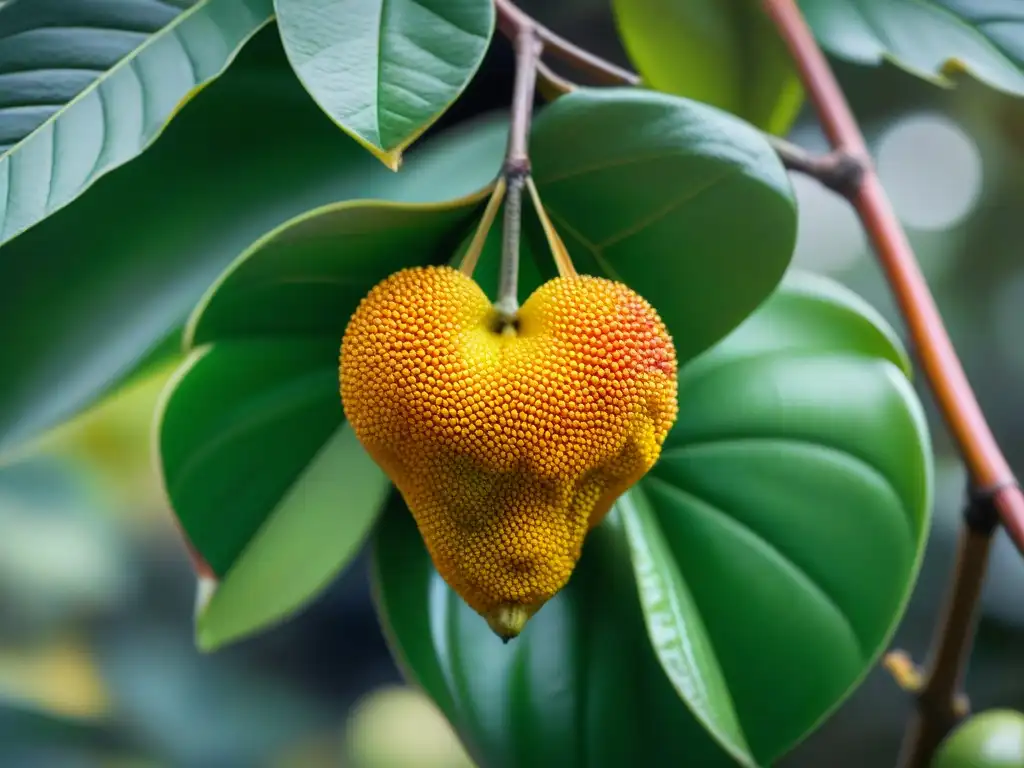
point(679, 451)
point(756, 541)
point(688, 196)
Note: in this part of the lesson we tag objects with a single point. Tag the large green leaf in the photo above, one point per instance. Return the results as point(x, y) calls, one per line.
point(270, 485)
point(385, 69)
point(580, 688)
point(772, 549)
point(88, 84)
point(723, 52)
point(302, 281)
point(305, 278)
point(87, 295)
point(931, 38)
point(685, 203)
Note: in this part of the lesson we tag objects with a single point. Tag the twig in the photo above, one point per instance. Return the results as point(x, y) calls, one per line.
point(848, 170)
point(985, 462)
point(550, 84)
point(528, 47)
point(558, 250)
point(839, 171)
point(511, 19)
point(940, 702)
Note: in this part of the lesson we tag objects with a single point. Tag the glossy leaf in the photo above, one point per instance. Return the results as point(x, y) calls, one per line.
point(385, 70)
point(676, 629)
point(301, 282)
point(305, 278)
point(87, 85)
point(930, 38)
point(723, 53)
point(693, 172)
point(686, 204)
point(271, 487)
point(580, 688)
point(773, 549)
point(82, 309)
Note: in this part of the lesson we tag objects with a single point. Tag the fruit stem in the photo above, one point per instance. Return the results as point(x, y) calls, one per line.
point(476, 246)
point(528, 47)
point(561, 254)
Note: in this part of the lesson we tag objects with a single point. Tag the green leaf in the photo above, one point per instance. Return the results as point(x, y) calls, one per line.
point(829, 516)
point(88, 85)
point(723, 53)
point(676, 630)
point(385, 70)
point(684, 203)
point(306, 278)
point(318, 527)
point(929, 38)
point(91, 293)
point(772, 551)
point(255, 458)
point(271, 487)
point(299, 284)
point(580, 688)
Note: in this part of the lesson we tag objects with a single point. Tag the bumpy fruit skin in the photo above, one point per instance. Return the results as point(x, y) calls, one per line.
point(508, 443)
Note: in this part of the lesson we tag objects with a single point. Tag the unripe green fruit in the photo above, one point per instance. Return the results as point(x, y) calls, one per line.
point(993, 739)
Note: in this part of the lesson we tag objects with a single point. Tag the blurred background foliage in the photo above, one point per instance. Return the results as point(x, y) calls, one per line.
point(97, 662)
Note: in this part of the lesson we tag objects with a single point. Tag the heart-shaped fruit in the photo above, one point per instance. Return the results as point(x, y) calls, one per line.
point(508, 439)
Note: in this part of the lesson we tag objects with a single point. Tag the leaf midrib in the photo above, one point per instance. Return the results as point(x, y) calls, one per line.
point(126, 61)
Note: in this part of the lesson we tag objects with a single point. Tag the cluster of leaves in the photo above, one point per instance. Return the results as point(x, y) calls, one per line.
point(738, 593)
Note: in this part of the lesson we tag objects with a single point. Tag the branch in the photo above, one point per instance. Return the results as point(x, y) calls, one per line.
point(839, 171)
point(528, 48)
point(848, 170)
point(511, 19)
point(986, 464)
point(939, 702)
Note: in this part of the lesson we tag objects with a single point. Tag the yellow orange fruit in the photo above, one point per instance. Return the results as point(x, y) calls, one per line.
point(507, 441)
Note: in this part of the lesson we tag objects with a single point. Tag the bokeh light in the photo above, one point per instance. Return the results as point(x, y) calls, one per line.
point(931, 169)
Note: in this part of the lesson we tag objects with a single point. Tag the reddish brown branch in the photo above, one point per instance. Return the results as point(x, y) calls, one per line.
point(985, 462)
point(940, 702)
point(848, 170)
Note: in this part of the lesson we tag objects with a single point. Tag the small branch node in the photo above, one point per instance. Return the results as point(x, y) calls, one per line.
point(844, 172)
point(982, 513)
point(516, 168)
point(839, 170)
point(511, 20)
